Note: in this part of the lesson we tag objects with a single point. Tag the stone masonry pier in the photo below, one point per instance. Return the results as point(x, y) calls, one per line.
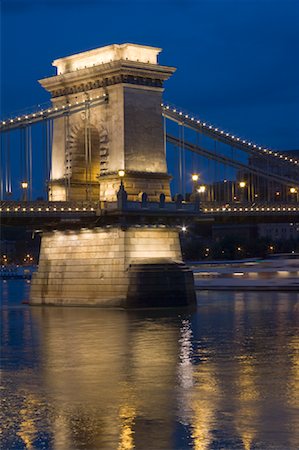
point(113, 154)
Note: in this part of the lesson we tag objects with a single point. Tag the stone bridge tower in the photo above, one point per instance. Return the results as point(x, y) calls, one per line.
point(123, 133)
point(125, 257)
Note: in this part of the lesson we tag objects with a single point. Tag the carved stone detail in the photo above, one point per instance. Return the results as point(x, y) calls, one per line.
point(103, 82)
point(75, 156)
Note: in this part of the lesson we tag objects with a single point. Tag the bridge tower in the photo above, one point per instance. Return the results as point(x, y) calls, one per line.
point(126, 260)
point(124, 133)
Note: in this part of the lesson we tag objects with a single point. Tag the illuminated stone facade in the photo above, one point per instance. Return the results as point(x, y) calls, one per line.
point(122, 262)
point(93, 267)
point(123, 133)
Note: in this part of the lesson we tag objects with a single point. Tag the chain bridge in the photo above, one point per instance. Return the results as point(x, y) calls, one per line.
point(110, 173)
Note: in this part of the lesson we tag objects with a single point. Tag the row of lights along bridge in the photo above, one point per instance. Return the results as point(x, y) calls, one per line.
point(205, 191)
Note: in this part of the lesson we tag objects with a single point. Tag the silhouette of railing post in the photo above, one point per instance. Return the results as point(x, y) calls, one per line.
point(162, 200)
point(178, 201)
point(144, 200)
point(122, 198)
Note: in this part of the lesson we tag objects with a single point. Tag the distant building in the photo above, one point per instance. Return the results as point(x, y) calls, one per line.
point(279, 231)
point(272, 231)
point(8, 248)
point(260, 189)
point(240, 231)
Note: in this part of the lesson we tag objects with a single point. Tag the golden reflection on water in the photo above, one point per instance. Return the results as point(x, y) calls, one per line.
point(27, 428)
point(247, 393)
point(127, 415)
point(204, 404)
point(199, 392)
point(125, 380)
point(117, 380)
point(247, 418)
point(294, 379)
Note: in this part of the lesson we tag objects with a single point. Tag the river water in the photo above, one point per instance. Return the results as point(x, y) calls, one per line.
point(225, 376)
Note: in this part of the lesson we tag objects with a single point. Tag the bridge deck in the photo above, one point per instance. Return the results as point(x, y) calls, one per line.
point(96, 213)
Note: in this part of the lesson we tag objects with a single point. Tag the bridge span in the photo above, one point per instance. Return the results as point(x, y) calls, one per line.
point(125, 172)
point(46, 214)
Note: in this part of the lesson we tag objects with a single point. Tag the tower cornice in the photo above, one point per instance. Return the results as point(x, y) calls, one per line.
point(114, 72)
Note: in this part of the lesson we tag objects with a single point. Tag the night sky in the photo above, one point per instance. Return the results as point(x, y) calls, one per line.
point(237, 60)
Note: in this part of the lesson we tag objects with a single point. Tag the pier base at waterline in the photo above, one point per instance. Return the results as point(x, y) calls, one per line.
point(112, 267)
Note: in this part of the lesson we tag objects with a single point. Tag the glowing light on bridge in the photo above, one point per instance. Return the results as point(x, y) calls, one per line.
point(222, 134)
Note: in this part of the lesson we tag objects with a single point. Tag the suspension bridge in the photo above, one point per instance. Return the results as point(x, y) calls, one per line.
point(109, 152)
point(257, 179)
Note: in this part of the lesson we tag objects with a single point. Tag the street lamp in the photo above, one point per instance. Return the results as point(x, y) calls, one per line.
point(195, 178)
point(242, 186)
point(121, 174)
point(24, 186)
point(201, 189)
point(294, 193)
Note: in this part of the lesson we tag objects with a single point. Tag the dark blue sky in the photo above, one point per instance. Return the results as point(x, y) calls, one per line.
point(237, 60)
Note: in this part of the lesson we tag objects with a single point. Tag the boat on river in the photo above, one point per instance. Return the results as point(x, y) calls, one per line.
point(276, 272)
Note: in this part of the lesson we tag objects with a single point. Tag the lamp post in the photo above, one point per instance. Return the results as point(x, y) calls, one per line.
point(277, 196)
point(201, 190)
point(121, 194)
point(242, 186)
point(121, 174)
point(294, 193)
point(24, 186)
point(195, 178)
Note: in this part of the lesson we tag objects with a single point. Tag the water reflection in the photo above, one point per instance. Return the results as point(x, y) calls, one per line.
point(225, 376)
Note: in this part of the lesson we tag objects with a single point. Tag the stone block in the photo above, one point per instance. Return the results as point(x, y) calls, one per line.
point(95, 268)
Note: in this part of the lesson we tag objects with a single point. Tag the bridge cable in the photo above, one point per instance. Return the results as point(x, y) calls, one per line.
point(50, 125)
point(46, 145)
point(22, 158)
point(8, 189)
point(225, 160)
point(89, 152)
point(29, 156)
point(48, 157)
point(193, 155)
point(66, 156)
point(180, 161)
point(175, 115)
point(215, 173)
point(87, 146)
point(183, 162)
point(164, 134)
point(1, 167)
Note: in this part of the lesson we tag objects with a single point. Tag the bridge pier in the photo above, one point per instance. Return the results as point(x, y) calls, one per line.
point(112, 267)
point(116, 264)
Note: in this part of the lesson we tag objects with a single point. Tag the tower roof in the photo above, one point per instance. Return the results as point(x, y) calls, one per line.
point(109, 53)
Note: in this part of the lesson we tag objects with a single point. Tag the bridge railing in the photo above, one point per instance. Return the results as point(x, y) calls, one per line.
point(34, 207)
